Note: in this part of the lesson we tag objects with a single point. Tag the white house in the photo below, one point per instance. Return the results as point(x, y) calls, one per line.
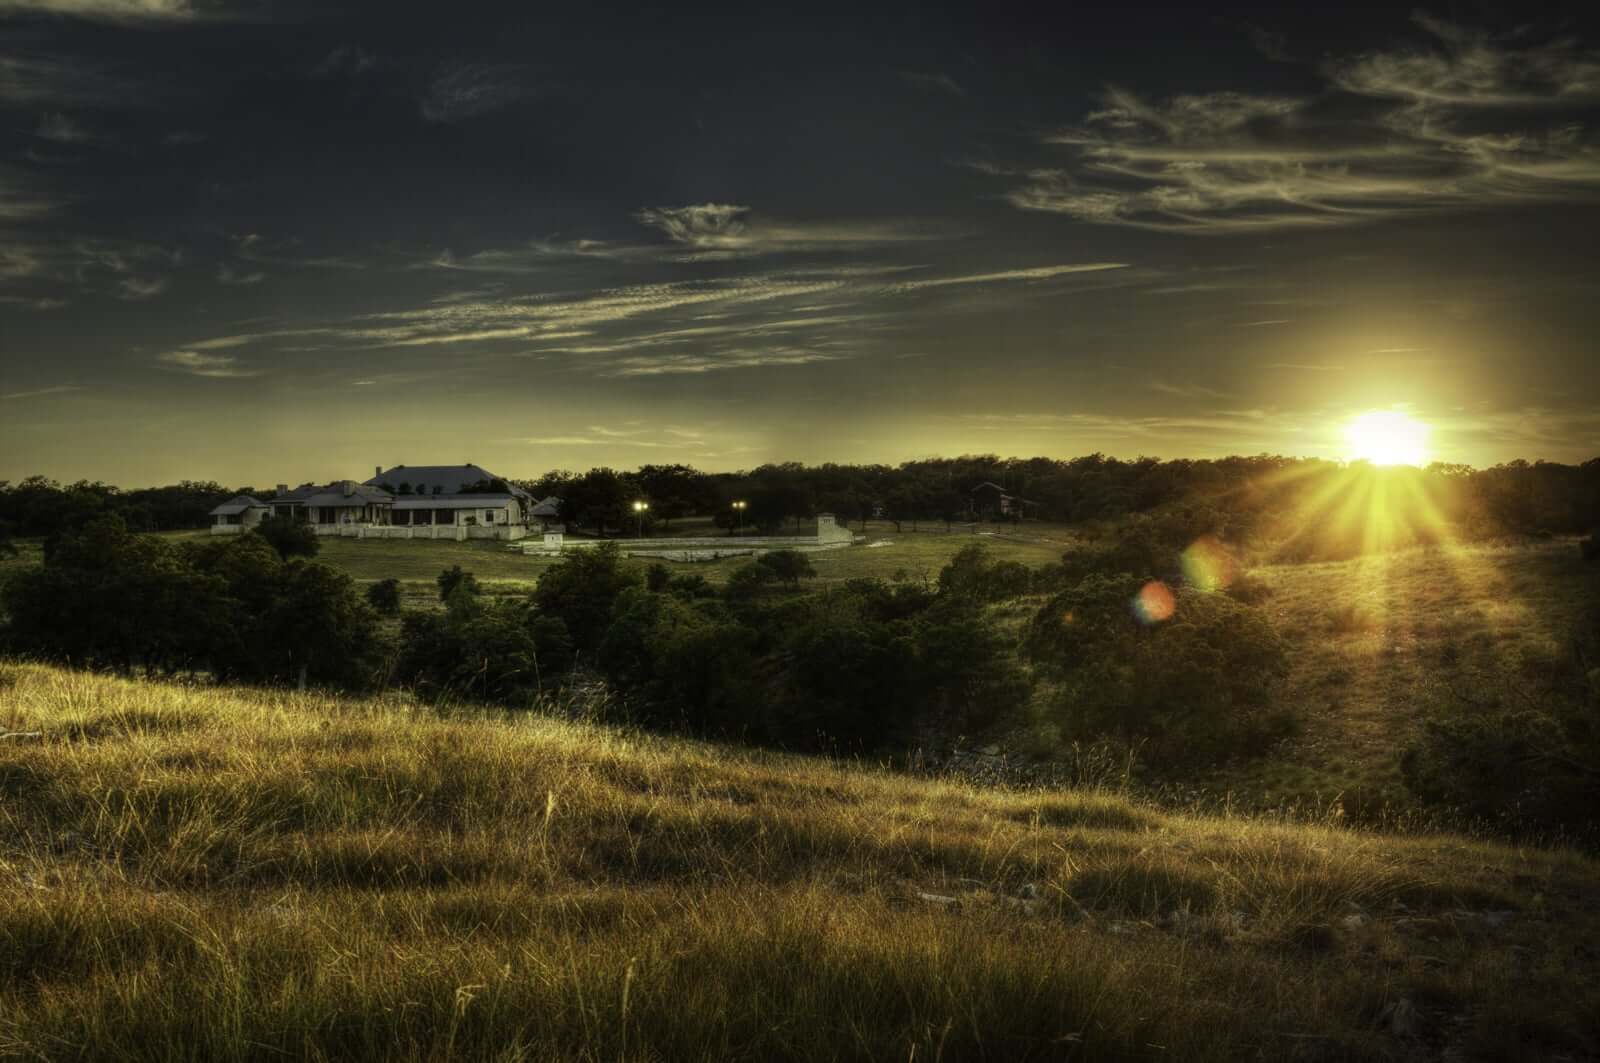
point(405, 502)
point(237, 514)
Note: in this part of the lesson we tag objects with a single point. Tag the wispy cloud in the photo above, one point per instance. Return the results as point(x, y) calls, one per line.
point(136, 288)
point(61, 129)
point(726, 230)
point(200, 363)
point(147, 12)
point(60, 389)
point(1471, 122)
point(469, 89)
point(936, 81)
point(228, 275)
point(1035, 273)
point(1304, 367)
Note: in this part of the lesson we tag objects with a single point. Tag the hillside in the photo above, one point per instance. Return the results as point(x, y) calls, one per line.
point(1379, 642)
point(210, 874)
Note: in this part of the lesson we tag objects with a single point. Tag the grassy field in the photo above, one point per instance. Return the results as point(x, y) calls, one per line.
point(201, 874)
point(1378, 642)
point(916, 555)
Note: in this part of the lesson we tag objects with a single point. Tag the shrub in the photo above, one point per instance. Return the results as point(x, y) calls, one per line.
point(384, 596)
point(657, 577)
point(972, 577)
point(501, 652)
point(1194, 685)
point(289, 536)
point(582, 591)
point(790, 566)
point(454, 579)
point(749, 579)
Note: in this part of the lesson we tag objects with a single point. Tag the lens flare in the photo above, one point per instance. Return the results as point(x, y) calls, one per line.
point(1208, 566)
point(1154, 603)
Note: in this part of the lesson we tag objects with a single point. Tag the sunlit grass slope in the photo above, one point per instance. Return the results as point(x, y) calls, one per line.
point(1379, 642)
point(201, 874)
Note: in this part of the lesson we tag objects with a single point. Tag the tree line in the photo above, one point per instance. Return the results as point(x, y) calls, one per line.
point(1257, 493)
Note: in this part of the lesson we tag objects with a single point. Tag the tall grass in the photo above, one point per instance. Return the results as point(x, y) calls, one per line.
point(194, 873)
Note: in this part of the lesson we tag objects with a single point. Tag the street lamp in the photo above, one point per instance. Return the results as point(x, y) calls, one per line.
point(738, 509)
point(638, 511)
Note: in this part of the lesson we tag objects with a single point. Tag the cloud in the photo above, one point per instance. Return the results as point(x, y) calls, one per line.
point(228, 275)
point(1475, 122)
point(149, 12)
point(199, 363)
point(471, 89)
point(935, 81)
point(59, 128)
point(680, 363)
point(113, 10)
point(1468, 66)
point(17, 262)
point(346, 61)
point(135, 288)
point(725, 230)
point(60, 389)
point(1037, 273)
point(1302, 367)
point(31, 303)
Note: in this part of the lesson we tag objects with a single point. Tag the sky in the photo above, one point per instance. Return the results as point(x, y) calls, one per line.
point(265, 242)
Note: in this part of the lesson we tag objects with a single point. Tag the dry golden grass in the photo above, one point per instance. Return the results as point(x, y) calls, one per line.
point(1378, 642)
point(193, 873)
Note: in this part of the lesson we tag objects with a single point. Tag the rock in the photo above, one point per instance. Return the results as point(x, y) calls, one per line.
point(1496, 920)
point(1354, 922)
point(989, 751)
point(1029, 891)
point(941, 900)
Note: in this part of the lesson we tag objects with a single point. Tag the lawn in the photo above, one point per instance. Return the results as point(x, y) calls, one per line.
point(198, 873)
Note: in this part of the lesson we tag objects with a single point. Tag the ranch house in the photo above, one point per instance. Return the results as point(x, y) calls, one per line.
point(404, 502)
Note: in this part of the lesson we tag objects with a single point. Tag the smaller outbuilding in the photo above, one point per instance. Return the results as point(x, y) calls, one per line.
point(238, 514)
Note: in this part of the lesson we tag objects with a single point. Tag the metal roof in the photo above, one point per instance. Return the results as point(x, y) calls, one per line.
point(237, 504)
point(410, 502)
point(333, 496)
point(450, 479)
point(550, 507)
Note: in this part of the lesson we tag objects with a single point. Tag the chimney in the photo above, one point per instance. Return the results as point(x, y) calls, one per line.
point(283, 489)
point(349, 487)
point(377, 471)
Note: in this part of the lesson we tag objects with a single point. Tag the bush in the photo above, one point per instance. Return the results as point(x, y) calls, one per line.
point(972, 577)
point(790, 566)
point(454, 579)
point(1522, 753)
point(233, 607)
point(289, 536)
point(384, 596)
point(503, 652)
point(748, 580)
point(657, 577)
point(1194, 685)
point(582, 591)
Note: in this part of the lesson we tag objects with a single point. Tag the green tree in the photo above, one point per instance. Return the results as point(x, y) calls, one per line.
point(581, 591)
point(455, 579)
point(384, 596)
point(289, 536)
point(790, 566)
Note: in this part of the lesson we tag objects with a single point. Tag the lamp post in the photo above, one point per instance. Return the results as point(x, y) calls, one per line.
point(738, 509)
point(638, 511)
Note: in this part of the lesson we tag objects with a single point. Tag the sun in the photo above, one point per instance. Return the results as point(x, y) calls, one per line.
point(1386, 437)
